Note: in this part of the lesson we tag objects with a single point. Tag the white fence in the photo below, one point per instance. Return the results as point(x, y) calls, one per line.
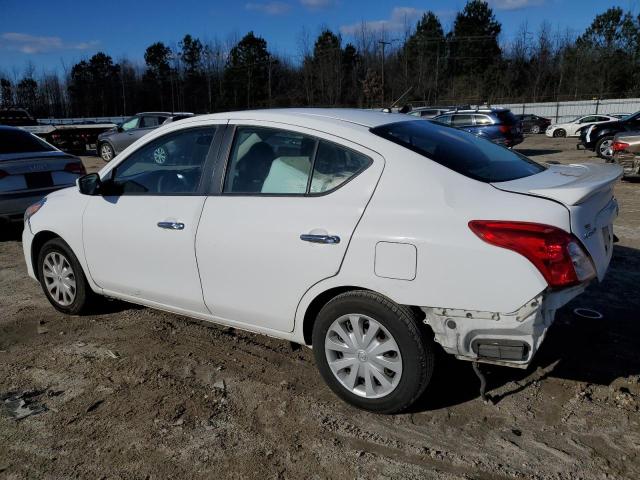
point(566, 111)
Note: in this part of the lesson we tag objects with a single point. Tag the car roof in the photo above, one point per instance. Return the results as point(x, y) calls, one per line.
point(169, 114)
point(315, 116)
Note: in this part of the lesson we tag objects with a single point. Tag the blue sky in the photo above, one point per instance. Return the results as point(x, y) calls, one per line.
point(50, 33)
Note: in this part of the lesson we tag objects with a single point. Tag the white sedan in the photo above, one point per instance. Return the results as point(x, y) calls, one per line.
point(572, 128)
point(369, 236)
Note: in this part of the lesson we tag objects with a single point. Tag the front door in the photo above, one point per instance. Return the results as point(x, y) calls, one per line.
point(282, 222)
point(139, 235)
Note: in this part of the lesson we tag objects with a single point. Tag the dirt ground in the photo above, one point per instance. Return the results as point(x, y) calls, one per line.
point(136, 393)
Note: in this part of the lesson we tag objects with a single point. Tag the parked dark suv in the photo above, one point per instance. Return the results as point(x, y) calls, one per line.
point(533, 123)
point(496, 124)
point(599, 137)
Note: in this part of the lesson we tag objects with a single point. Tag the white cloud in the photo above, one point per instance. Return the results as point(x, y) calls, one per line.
point(25, 43)
point(316, 3)
point(400, 17)
point(270, 8)
point(514, 4)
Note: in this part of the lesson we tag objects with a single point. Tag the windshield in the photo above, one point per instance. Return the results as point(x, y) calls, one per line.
point(20, 141)
point(460, 151)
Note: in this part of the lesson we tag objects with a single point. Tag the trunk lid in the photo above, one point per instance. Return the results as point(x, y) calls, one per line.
point(586, 190)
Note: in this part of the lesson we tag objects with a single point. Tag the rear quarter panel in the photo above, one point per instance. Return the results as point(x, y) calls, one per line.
point(424, 204)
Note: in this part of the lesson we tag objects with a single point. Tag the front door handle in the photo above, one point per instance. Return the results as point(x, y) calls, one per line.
point(171, 225)
point(330, 239)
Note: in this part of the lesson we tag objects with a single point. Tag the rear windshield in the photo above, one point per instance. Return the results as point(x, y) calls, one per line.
point(460, 151)
point(19, 141)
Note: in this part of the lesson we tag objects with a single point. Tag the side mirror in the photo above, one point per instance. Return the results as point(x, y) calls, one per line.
point(89, 184)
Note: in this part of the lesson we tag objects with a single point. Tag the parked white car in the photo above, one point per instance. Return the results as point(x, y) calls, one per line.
point(366, 235)
point(572, 128)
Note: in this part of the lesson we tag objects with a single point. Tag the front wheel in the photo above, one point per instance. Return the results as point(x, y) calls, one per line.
point(560, 133)
point(106, 152)
point(62, 278)
point(604, 148)
point(535, 129)
point(372, 352)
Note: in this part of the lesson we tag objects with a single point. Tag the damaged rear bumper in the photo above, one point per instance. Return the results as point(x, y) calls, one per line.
point(510, 339)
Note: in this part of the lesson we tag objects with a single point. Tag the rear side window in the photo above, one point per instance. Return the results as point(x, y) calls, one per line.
point(460, 151)
point(482, 120)
point(279, 162)
point(335, 165)
point(461, 120)
point(20, 141)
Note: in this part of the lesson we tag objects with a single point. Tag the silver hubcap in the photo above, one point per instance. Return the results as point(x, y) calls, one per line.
point(535, 129)
point(606, 148)
point(59, 278)
point(160, 155)
point(363, 356)
point(106, 153)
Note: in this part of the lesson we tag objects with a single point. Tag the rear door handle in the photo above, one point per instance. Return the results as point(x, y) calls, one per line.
point(171, 225)
point(330, 239)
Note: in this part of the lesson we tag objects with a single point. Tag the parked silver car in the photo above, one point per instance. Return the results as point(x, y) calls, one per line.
point(626, 153)
point(31, 168)
point(112, 142)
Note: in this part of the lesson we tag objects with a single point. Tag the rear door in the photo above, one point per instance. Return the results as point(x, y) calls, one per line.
point(288, 204)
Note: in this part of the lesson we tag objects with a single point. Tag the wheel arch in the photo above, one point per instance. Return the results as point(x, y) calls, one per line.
point(324, 297)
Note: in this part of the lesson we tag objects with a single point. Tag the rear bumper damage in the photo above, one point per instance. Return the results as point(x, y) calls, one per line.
point(510, 339)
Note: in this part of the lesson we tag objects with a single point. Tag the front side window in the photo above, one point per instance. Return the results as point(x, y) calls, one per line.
point(589, 119)
point(130, 124)
point(460, 151)
point(169, 165)
point(278, 162)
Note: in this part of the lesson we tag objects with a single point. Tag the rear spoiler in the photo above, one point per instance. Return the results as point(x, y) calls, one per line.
point(568, 184)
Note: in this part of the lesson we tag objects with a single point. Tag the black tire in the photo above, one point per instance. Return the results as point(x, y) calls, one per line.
point(83, 297)
point(560, 133)
point(416, 349)
point(106, 152)
point(599, 143)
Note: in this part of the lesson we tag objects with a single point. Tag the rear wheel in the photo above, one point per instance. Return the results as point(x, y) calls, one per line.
point(604, 148)
point(372, 352)
point(560, 132)
point(535, 129)
point(62, 278)
point(106, 152)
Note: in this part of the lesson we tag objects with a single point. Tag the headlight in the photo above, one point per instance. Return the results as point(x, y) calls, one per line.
point(32, 209)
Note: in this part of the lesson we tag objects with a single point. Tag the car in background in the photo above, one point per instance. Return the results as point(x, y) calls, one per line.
point(573, 128)
point(16, 117)
point(31, 168)
point(533, 123)
point(114, 141)
point(599, 138)
point(620, 115)
point(626, 153)
point(496, 124)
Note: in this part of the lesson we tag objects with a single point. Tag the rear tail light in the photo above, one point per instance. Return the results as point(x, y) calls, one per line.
point(75, 167)
point(3, 174)
point(557, 254)
point(504, 128)
point(619, 146)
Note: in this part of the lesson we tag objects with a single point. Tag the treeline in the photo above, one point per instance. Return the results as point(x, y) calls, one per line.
point(469, 64)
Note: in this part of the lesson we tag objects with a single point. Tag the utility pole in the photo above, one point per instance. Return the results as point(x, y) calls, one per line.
point(384, 44)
